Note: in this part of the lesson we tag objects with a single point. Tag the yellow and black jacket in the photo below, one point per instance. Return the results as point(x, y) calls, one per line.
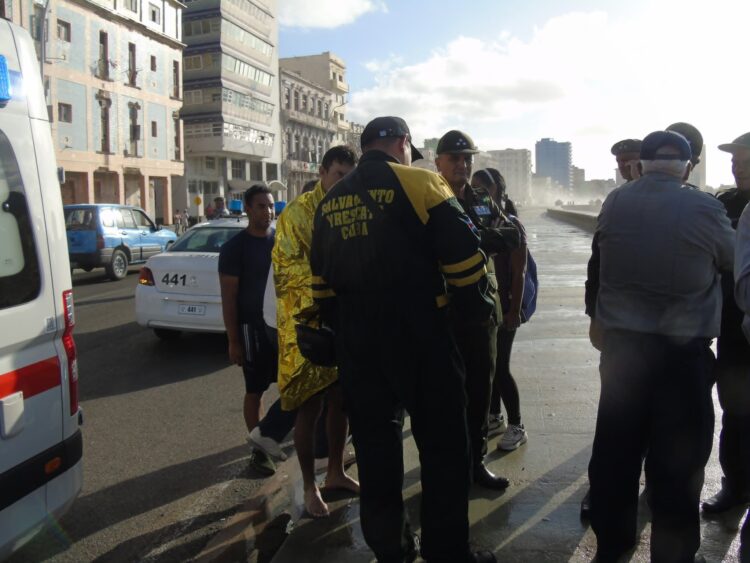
point(422, 244)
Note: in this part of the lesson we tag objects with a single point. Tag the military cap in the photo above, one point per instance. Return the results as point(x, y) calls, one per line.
point(741, 142)
point(387, 126)
point(626, 145)
point(658, 139)
point(694, 137)
point(456, 142)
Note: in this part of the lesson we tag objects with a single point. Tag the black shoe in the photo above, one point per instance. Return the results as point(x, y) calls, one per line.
point(414, 550)
point(724, 500)
point(586, 506)
point(482, 557)
point(261, 462)
point(485, 478)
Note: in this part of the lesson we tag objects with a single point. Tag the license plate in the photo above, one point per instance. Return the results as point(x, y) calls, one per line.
point(192, 310)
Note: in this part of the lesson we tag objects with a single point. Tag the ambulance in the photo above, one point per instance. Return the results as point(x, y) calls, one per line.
point(40, 440)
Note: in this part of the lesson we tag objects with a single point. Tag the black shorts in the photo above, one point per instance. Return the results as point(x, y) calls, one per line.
point(261, 359)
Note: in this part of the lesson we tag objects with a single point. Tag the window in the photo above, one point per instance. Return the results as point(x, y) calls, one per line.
point(175, 79)
point(177, 139)
point(153, 63)
point(210, 163)
point(102, 70)
point(256, 170)
point(132, 70)
point(20, 280)
point(65, 113)
point(194, 63)
point(135, 129)
point(154, 14)
point(132, 5)
point(193, 97)
point(126, 220)
point(104, 117)
point(63, 30)
point(154, 131)
point(141, 220)
point(238, 169)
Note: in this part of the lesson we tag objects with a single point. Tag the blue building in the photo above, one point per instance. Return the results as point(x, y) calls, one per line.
point(555, 160)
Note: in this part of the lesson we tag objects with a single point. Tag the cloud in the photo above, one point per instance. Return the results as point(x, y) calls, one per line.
point(581, 77)
point(325, 14)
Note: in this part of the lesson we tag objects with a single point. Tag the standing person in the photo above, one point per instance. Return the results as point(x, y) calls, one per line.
point(477, 342)
point(627, 154)
point(177, 220)
point(386, 240)
point(220, 208)
point(499, 192)
point(658, 307)
point(244, 261)
point(733, 358)
point(510, 268)
point(302, 385)
point(185, 220)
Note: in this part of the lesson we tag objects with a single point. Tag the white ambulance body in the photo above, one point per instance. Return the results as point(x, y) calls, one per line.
point(40, 440)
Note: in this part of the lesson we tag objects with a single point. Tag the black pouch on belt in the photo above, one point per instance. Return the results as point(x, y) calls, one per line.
point(317, 345)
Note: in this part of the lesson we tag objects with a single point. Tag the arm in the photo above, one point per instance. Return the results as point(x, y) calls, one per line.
point(230, 286)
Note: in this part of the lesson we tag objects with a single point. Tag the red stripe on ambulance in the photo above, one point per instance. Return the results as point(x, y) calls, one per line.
point(32, 379)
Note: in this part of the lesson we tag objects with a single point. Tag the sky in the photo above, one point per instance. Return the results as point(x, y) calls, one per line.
point(510, 72)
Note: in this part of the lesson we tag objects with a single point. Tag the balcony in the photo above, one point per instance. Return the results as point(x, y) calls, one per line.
point(227, 138)
point(339, 85)
point(307, 119)
point(292, 165)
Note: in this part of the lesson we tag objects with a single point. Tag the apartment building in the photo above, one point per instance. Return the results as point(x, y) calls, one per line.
point(112, 74)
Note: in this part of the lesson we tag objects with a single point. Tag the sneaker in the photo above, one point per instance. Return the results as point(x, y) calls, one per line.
point(261, 462)
point(514, 437)
point(268, 445)
point(496, 425)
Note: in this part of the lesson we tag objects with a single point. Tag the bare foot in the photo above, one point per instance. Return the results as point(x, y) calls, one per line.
point(314, 504)
point(341, 481)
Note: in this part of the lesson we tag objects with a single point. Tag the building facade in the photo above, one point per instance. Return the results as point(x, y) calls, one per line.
point(231, 92)
point(308, 128)
point(515, 166)
point(112, 82)
point(555, 160)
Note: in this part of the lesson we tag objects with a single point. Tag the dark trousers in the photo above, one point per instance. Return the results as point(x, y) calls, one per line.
point(655, 396)
point(745, 541)
point(733, 384)
point(503, 385)
point(478, 347)
point(393, 356)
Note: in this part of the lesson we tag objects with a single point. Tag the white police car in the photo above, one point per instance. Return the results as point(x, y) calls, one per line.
point(178, 290)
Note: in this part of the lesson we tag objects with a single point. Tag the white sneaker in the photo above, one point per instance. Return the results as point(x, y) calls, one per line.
point(268, 445)
point(514, 437)
point(496, 425)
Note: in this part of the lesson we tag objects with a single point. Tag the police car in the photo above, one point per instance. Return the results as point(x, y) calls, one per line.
point(178, 290)
point(40, 440)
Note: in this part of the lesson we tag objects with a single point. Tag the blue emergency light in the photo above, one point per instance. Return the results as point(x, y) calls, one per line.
point(5, 89)
point(235, 206)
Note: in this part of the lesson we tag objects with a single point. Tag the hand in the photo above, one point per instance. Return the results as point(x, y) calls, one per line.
point(511, 320)
point(236, 354)
point(596, 335)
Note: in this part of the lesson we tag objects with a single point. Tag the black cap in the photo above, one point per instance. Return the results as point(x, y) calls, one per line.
point(456, 142)
point(388, 126)
point(626, 145)
point(741, 142)
point(658, 139)
point(694, 137)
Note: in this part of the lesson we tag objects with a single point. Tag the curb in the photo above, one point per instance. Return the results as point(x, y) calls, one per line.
point(581, 219)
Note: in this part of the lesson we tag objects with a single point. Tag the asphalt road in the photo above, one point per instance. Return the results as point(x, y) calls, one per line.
point(165, 457)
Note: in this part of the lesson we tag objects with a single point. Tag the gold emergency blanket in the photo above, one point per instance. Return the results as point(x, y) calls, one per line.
point(298, 379)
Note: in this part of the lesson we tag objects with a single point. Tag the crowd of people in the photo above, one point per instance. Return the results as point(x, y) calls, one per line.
point(387, 290)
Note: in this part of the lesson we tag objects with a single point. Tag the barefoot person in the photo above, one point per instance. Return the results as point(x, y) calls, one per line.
point(302, 385)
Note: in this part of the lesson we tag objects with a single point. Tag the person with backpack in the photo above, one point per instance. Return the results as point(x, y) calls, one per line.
point(512, 274)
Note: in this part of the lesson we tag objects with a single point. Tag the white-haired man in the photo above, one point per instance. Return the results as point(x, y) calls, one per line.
point(659, 306)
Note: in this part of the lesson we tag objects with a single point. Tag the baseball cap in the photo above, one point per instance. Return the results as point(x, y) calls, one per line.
point(388, 126)
point(626, 145)
point(658, 139)
point(741, 142)
point(456, 142)
point(694, 137)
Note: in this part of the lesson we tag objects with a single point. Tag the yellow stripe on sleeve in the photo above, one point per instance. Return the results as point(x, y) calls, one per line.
point(317, 280)
point(459, 267)
point(468, 280)
point(323, 294)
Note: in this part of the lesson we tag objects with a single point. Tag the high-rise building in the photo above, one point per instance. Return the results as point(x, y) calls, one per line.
point(515, 166)
point(328, 71)
point(112, 82)
point(579, 178)
point(555, 160)
point(231, 92)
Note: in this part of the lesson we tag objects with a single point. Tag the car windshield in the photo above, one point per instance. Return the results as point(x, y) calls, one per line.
point(205, 239)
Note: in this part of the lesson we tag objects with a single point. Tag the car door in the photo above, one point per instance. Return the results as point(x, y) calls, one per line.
point(150, 240)
point(131, 235)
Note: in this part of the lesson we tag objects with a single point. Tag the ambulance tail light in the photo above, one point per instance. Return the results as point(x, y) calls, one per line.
point(70, 349)
point(99, 242)
point(146, 277)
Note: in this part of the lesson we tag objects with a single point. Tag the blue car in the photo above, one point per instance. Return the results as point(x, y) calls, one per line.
point(112, 237)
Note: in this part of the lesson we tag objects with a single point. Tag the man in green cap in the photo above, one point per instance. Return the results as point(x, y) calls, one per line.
point(476, 342)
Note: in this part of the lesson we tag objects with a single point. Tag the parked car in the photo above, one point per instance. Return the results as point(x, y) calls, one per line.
point(178, 290)
point(113, 237)
point(41, 465)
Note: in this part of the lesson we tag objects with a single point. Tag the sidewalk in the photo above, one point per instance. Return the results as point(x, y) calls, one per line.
point(537, 518)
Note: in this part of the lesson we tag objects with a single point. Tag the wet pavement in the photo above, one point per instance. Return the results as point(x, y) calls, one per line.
point(537, 518)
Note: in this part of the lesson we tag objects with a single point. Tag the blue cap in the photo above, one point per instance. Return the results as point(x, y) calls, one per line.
point(658, 139)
